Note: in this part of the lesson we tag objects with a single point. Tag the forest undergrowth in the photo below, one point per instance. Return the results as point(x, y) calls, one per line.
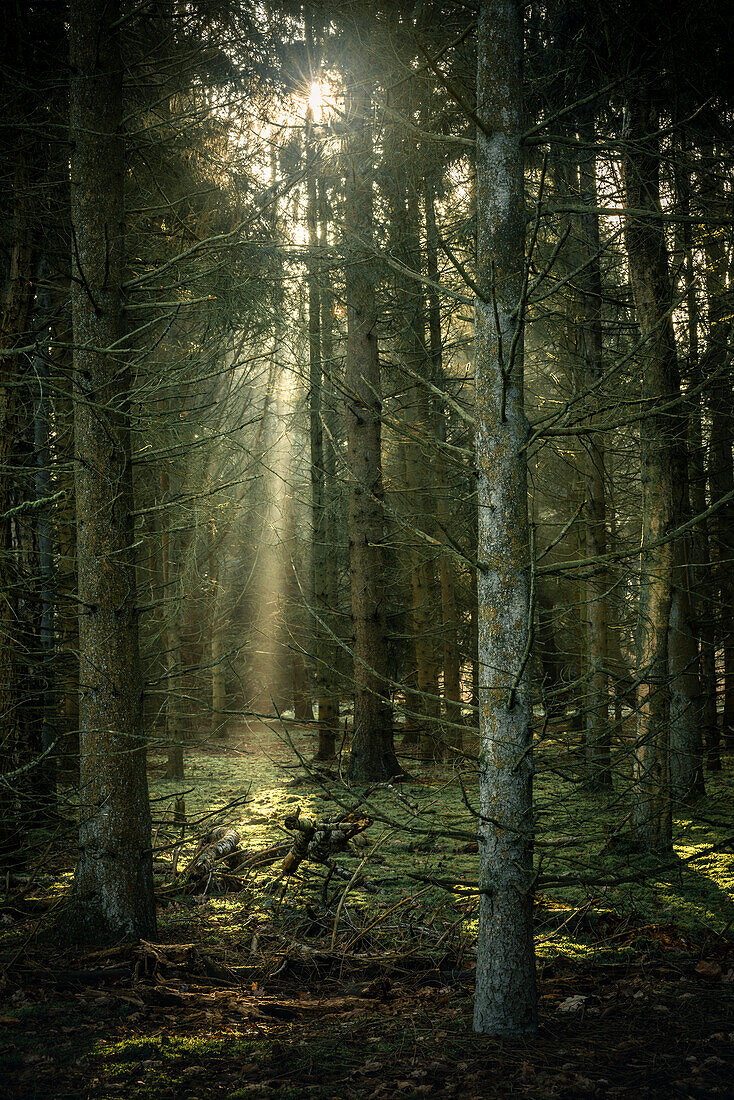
point(361, 984)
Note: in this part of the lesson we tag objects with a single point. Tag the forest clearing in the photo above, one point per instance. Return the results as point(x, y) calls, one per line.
point(366, 549)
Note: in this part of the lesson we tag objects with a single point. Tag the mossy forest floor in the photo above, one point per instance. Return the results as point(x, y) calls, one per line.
point(328, 989)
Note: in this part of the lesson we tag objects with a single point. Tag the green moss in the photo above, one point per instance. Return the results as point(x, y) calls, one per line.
point(579, 836)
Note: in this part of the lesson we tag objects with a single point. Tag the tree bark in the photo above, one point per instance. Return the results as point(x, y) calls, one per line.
point(44, 536)
point(67, 614)
point(217, 627)
point(171, 639)
point(321, 550)
point(419, 515)
point(447, 566)
point(329, 689)
point(702, 583)
point(13, 329)
point(598, 737)
point(721, 469)
point(648, 266)
point(373, 756)
point(113, 885)
point(506, 995)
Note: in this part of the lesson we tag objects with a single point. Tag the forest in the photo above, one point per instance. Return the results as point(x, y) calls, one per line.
point(366, 549)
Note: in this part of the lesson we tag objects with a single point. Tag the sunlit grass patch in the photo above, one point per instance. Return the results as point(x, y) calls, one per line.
point(427, 827)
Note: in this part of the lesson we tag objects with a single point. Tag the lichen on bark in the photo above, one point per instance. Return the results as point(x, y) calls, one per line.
point(506, 996)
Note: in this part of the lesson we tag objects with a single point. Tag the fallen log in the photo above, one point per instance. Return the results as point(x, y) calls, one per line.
point(242, 861)
point(220, 844)
point(319, 840)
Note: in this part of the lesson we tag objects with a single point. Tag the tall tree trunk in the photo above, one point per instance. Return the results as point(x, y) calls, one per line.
point(113, 885)
point(721, 470)
point(648, 266)
point(373, 756)
point(575, 337)
point(219, 668)
point(329, 688)
point(598, 735)
point(447, 565)
point(175, 729)
point(702, 588)
point(686, 741)
point(42, 447)
point(506, 994)
point(217, 634)
point(321, 550)
point(13, 330)
point(67, 683)
point(423, 700)
point(474, 647)
point(170, 623)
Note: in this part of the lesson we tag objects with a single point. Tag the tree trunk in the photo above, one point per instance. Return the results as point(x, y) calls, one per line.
point(648, 266)
point(67, 683)
point(171, 641)
point(474, 648)
point(43, 775)
point(113, 885)
point(702, 586)
point(447, 565)
point(329, 686)
point(373, 756)
point(13, 326)
point(174, 717)
point(598, 737)
point(686, 741)
point(506, 995)
point(419, 518)
point(721, 471)
point(320, 548)
point(217, 635)
point(551, 659)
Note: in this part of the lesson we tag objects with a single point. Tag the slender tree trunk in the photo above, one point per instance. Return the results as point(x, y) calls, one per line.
point(43, 489)
point(219, 670)
point(551, 659)
point(447, 567)
point(13, 326)
point(721, 469)
point(414, 366)
point(171, 640)
point(175, 730)
point(686, 741)
point(321, 550)
point(113, 885)
point(699, 570)
point(598, 735)
point(474, 646)
point(617, 663)
point(506, 995)
point(648, 265)
point(578, 340)
point(297, 640)
point(67, 682)
point(217, 636)
point(329, 690)
point(373, 756)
